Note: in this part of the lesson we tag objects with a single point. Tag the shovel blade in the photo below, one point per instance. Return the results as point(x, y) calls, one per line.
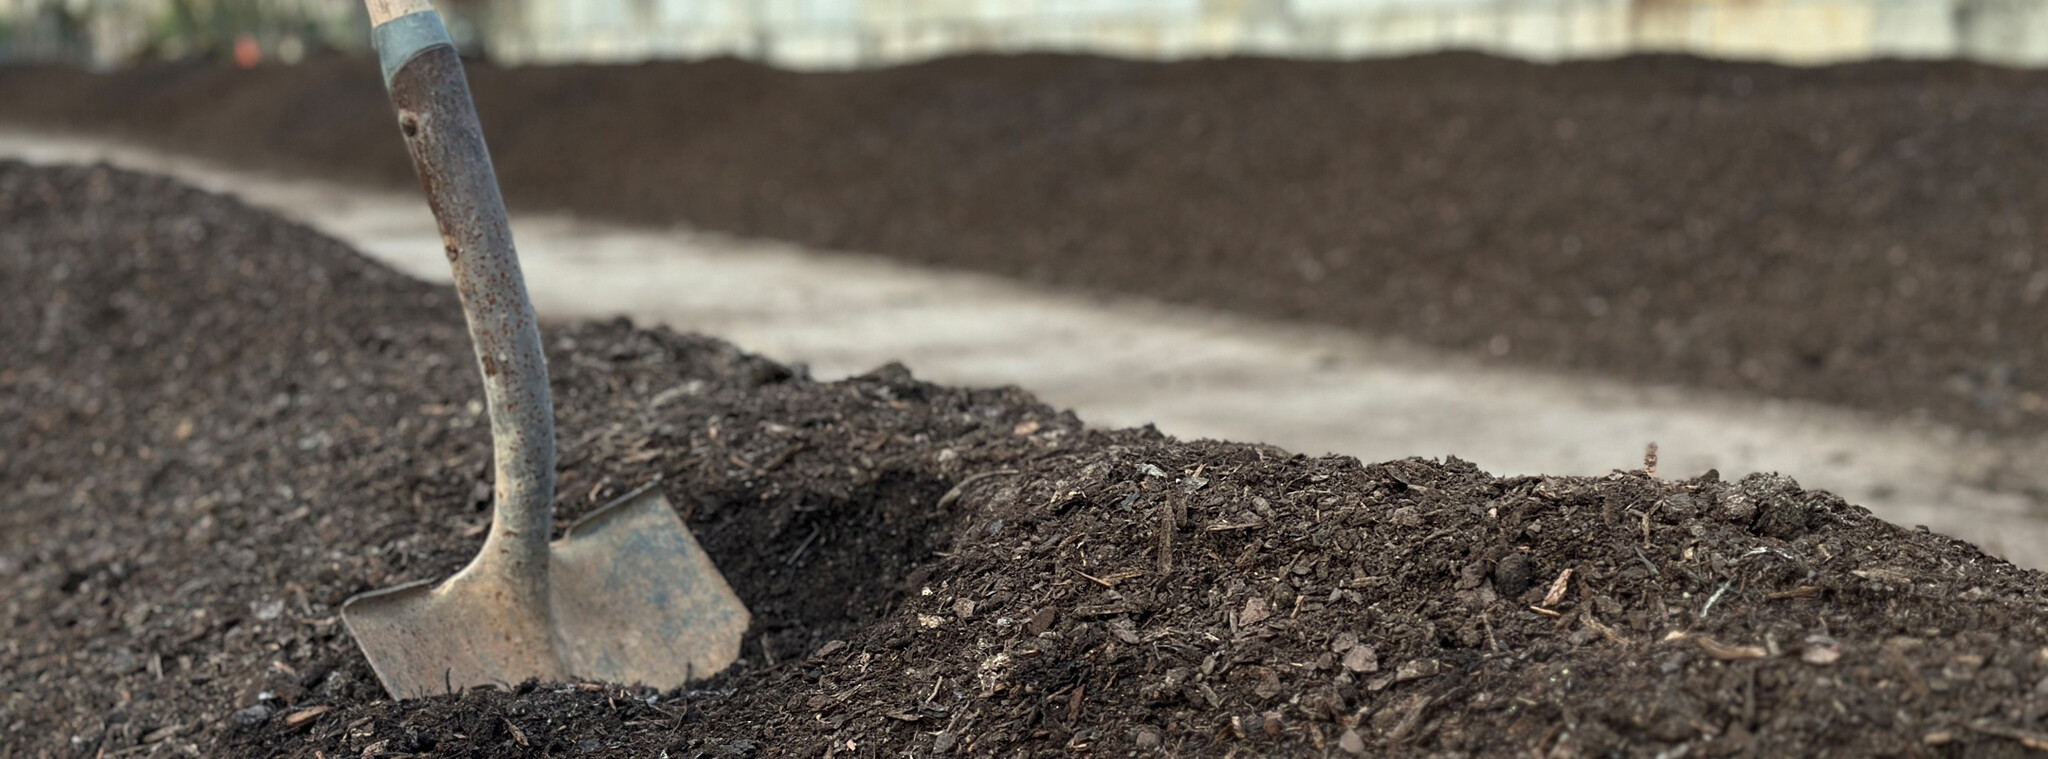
point(636, 600)
point(632, 599)
point(424, 639)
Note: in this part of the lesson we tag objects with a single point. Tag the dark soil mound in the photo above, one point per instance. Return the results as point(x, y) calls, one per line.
point(220, 425)
point(1860, 235)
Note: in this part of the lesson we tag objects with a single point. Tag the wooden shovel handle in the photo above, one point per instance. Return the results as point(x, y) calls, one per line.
point(382, 11)
point(425, 78)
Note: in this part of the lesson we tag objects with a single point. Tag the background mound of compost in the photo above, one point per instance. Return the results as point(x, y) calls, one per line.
point(220, 425)
point(1860, 235)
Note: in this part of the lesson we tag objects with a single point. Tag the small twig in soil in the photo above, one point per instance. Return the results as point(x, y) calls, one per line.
point(1608, 632)
point(784, 456)
point(1646, 561)
point(1097, 580)
point(1646, 522)
point(961, 489)
point(1650, 460)
point(1749, 702)
point(1165, 540)
point(801, 547)
point(1557, 588)
point(1714, 599)
point(2026, 738)
point(1726, 652)
point(766, 654)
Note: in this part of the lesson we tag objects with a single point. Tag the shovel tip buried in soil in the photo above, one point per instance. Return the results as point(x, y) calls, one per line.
point(633, 599)
point(636, 599)
point(426, 638)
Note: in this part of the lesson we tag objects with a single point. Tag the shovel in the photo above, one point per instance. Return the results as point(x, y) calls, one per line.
point(626, 595)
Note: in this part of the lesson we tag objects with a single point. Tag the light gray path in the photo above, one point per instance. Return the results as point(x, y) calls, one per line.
point(1193, 373)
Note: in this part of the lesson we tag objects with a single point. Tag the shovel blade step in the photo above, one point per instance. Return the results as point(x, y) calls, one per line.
point(636, 600)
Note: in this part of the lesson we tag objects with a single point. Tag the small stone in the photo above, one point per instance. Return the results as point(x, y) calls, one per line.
point(253, 715)
point(1125, 631)
point(1040, 622)
point(943, 742)
point(963, 608)
point(1254, 612)
point(1736, 507)
point(831, 647)
point(1362, 659)
point(1679, 506)
point(1269, 684)
point(1351, 742)
point(1821, 656)
point(1415, 670)
point(1147, 738)
point(124, 662)
point(1344, 642)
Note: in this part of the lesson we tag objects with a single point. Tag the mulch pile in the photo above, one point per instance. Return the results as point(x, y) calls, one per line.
point(219, 425)
point(1859, 235)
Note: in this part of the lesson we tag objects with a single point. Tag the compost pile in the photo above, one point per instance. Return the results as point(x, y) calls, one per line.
point(1861, 235)
point(221, 424)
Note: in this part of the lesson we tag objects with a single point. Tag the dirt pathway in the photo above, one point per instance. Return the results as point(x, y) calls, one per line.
point(1192, 373)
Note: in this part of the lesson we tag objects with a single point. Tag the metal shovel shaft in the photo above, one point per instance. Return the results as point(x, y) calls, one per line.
point(447, 146)
point(627, 595)
point(493, 621)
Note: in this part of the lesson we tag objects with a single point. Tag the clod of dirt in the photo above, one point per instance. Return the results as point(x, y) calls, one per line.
point(1783, 511)
point(1513, 575)
point(220, 425)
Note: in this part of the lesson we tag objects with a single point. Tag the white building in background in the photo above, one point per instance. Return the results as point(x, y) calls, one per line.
point(851, 33)
point(829, 34)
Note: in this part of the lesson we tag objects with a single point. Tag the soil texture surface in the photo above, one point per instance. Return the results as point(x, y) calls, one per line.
point(1859, 235)
point(220, 425)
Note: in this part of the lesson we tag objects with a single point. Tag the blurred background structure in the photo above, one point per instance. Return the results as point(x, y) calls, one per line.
point(828, 34)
